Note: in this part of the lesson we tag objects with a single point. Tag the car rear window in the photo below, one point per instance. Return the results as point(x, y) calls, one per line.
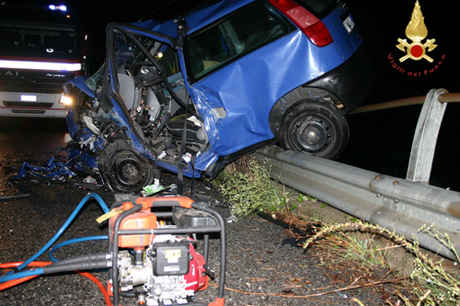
point(320, 8)
point(233, 36)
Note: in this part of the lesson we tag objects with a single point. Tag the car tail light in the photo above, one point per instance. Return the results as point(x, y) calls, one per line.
point(314, 28)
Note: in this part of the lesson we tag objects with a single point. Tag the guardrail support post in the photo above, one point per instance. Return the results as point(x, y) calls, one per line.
point(425, 137)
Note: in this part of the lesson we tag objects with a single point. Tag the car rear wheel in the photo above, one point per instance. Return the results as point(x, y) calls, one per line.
point(315, 127)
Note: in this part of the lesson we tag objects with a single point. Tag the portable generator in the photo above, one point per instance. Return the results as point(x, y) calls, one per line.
point(155, 261)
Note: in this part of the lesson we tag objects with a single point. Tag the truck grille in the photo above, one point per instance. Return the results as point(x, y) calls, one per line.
point(28, 104)
point(28, 111)
point(33, 81)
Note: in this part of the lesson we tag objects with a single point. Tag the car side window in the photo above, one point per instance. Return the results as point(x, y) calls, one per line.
point(169, 61)
point(233, 36)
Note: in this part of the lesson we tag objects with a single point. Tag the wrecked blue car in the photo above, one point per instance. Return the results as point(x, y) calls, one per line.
point(199, 91)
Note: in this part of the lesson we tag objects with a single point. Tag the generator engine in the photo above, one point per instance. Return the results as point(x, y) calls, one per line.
point(171, 271)
point(158, 269)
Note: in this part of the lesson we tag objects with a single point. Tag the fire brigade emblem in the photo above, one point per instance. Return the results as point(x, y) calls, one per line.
point(416, 31)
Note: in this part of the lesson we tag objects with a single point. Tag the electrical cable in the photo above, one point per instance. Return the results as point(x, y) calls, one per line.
point(71, 241)
point(15, 282)
point(101, 287)
point(64, 227)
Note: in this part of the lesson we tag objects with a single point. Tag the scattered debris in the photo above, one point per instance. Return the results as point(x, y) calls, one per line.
point(232, 218)
point(152, 189)
point(52, 169)
point(14, 197)
point(89, 180)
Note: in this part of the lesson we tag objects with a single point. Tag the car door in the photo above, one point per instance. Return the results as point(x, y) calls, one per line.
point(237, 68)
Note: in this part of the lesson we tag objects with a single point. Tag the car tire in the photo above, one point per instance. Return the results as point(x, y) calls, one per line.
point(125, 170)
point(314, 127)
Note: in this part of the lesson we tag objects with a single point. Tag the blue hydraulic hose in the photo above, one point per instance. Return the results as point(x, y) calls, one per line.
point(64, 227)
point(71, 241)
point(8, 277)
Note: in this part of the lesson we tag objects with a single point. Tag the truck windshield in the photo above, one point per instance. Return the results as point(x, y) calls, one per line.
point(34, 39)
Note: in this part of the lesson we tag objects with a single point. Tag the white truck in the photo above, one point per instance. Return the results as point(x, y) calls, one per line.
point(36, 58)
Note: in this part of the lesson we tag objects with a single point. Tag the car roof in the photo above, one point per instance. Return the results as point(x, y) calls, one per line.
point(196, 19)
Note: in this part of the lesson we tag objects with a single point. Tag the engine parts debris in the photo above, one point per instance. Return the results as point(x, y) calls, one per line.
point(52, 169)
point(14, 197)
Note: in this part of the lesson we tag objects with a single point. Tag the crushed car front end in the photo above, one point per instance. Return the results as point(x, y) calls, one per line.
point(129, 118)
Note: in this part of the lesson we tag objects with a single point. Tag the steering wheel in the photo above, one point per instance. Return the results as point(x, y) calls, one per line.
point(133, 70)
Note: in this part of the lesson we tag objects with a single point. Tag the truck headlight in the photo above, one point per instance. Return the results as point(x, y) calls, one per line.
point(66, 100)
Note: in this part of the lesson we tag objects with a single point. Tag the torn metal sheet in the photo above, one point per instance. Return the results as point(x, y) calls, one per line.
point(52, 169)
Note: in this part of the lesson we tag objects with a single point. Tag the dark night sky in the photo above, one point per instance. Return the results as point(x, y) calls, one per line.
point(383, 22)
point(130, 11)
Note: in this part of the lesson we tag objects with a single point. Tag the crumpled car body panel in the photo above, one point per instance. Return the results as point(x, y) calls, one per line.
point(258, 81)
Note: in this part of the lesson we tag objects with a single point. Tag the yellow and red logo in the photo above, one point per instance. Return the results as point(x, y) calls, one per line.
point(416, 31)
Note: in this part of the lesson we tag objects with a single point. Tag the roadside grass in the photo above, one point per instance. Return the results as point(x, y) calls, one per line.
point(247, 187)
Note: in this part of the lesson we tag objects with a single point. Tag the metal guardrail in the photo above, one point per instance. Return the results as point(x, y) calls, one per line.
point(402, 205)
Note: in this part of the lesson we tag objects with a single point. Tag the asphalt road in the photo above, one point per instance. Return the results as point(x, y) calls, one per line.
point(257, 261)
